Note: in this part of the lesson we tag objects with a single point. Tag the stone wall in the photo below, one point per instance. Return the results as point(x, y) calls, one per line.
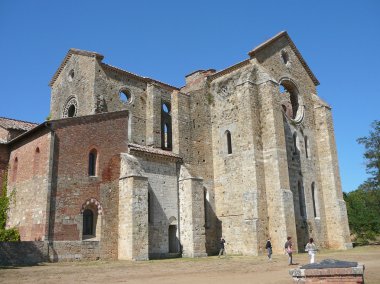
point(23, 253)
point(28, 185)
point(163, 193)
point(35, 252)
point(335, 207)
point(192, 215)
point(75, 82)
point(109, 82)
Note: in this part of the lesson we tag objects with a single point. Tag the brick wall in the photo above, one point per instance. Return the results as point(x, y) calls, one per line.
point(75, 190)
point(4, 158)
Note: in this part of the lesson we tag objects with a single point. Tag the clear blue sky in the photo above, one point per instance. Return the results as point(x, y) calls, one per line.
point(166, 40)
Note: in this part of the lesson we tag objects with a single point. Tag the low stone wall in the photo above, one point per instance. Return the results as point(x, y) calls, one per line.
point(329, 271)
point(23, 253)
point(74, 250)
point(31, 253)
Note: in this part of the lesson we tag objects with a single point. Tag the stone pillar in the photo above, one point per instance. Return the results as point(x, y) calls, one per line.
point(192, 216)
point(279, 197)
point(181, 124)
point(335, 208)
point(153, 116)
point(133, 242)
point(253, 232)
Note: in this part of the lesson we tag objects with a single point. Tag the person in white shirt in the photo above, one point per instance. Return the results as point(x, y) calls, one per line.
point(311, 249)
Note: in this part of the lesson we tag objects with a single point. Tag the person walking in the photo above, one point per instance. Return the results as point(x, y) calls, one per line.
point(268, 247)
point(289, 250)
point(222, 250)
point(311, 248)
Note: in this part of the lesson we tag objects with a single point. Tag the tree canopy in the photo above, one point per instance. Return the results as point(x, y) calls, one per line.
point(363, 204)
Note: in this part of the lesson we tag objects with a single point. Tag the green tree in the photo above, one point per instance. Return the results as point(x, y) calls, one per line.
point(363, 209)
point(372, 155)
point(363, 204)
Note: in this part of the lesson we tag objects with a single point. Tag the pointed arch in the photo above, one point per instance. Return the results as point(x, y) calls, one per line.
point(91, 212)
point(92, 162)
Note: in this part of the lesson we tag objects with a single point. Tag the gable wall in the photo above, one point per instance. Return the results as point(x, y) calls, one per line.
point(81, 86)
point(301, 169)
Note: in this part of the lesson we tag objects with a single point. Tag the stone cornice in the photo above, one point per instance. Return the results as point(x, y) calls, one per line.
point(228, 70)
point(138, 77)
point(140, 150)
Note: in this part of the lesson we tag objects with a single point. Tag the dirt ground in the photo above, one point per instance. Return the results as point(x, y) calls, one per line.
point(233, 269)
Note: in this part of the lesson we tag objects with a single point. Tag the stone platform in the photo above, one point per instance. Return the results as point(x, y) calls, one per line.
point(329, 271)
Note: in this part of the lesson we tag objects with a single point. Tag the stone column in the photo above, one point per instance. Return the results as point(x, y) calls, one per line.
point(335, 208)
point(181, 124)
point(133, 242)
point(192, 218)
point(254, 205)
point(278, 194)
point(153, 116)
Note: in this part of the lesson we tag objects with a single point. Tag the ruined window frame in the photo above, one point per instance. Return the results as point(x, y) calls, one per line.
point(166, 127)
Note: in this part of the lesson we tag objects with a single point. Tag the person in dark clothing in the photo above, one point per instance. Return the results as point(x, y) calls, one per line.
point(268, 247)
point(222, 250)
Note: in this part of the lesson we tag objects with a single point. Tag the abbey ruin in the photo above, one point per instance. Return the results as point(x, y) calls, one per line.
point(128, 167)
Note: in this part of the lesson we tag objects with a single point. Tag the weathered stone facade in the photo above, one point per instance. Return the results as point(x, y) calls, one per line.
point(149, 170)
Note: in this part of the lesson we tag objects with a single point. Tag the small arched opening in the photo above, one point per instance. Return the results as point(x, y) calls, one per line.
point(36, 160)
point(166, 126)
point(314, 197)
point(88, 223)
point(229, 142)
point(91, 212)
point(92, 162)
point(301, 198)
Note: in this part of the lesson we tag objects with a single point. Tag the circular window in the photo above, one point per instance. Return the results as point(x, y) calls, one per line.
point(71, 75)
point(71, 108)
point(125, 96)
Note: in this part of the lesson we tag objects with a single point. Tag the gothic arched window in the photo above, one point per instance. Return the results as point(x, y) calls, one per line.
point(92, 157)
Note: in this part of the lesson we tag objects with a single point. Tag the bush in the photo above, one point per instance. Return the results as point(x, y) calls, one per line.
point(9, 235)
